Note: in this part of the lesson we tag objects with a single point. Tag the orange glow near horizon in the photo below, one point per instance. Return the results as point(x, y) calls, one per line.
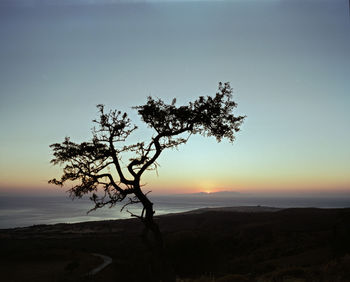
point(168, 189)
point(35, 181)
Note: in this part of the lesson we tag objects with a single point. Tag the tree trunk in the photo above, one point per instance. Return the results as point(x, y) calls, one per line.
point(161, 270)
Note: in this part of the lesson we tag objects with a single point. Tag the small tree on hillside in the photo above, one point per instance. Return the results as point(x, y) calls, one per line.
point(87, 165)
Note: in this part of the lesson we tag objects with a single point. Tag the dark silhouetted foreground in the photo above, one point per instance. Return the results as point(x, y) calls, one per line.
point(285, 245)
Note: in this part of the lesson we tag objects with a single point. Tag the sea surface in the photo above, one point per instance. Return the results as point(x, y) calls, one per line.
point(27, 211)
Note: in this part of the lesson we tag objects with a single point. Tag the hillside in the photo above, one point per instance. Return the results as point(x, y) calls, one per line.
point(232, 244)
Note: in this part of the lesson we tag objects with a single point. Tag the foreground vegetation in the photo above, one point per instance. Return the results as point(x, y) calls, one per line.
point(286, 245)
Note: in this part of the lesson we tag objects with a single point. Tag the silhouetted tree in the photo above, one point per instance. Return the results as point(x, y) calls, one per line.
point(88, 165)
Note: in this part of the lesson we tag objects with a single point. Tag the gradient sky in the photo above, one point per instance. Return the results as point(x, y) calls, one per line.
point(288, 62)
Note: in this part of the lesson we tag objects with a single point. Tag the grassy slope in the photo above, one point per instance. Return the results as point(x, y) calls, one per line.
point(286, 245)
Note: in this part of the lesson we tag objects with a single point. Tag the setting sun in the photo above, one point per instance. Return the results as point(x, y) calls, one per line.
point(207, 186)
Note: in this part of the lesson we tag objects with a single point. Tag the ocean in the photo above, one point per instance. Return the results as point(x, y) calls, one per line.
point(18, 211)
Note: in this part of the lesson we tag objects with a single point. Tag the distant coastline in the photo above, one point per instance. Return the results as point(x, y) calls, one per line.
point(250, 243)
point(27, 211)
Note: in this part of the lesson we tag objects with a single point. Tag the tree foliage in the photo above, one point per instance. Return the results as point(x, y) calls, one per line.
point(97, 164)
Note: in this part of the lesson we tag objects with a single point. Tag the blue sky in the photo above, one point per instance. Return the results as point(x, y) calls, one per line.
point(288, 62)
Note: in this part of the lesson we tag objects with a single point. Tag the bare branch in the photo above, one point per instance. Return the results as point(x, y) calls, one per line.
point(87, 165)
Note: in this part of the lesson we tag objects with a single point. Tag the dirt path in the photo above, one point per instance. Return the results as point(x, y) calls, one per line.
point(106, 261)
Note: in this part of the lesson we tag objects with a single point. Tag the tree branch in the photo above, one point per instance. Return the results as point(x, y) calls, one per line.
point(117, 165)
